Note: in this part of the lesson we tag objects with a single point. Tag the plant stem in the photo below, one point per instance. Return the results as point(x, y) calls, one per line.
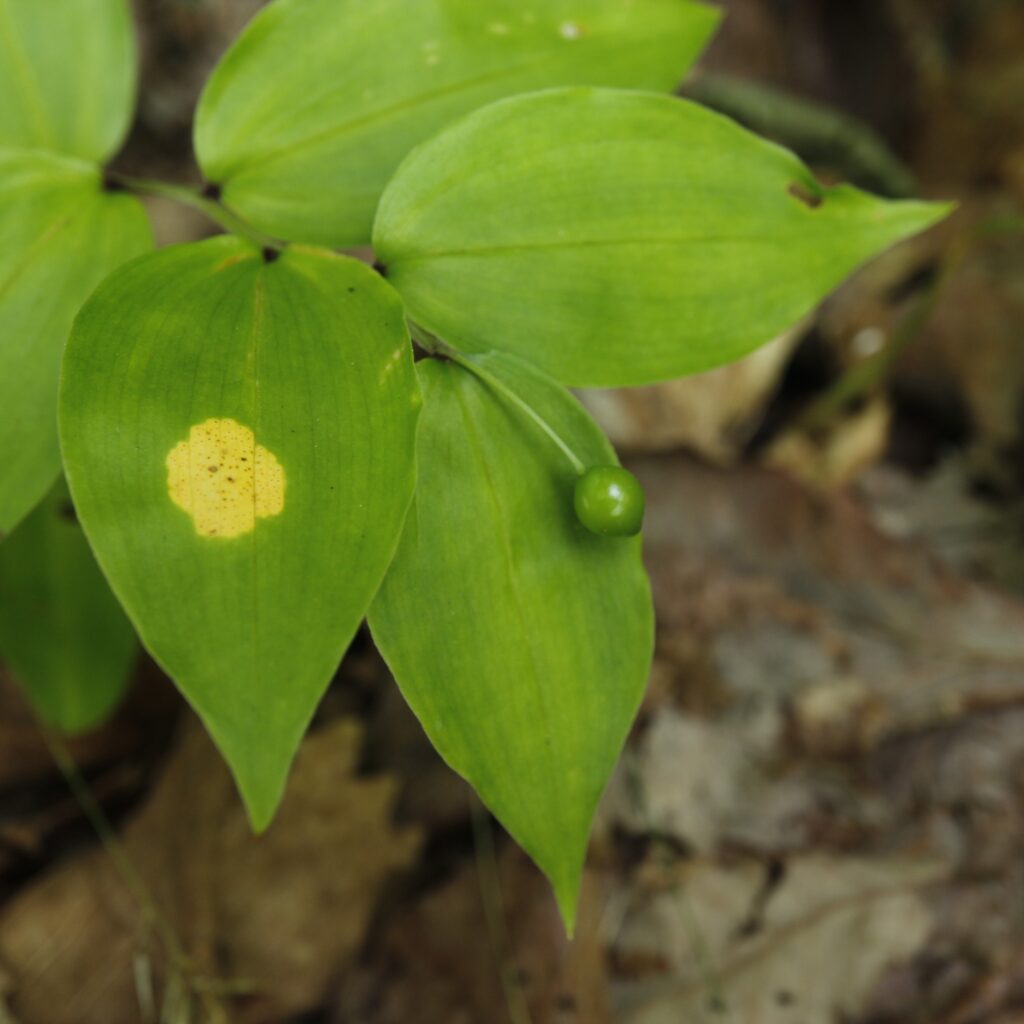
point(112, 845)
point(867, 376)
point(191, 197)
point(468, 363)
point(184, 981)
point(494, 911)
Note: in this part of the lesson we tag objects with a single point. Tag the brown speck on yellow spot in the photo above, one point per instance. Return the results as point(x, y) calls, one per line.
point(224, 504)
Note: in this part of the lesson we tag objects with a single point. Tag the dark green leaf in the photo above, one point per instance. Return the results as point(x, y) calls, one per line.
point(62, 631)
point(620, 238)
point(238, 436)
point(67, 75)
point(521, 640)
point(314, 107)
point(60, 235)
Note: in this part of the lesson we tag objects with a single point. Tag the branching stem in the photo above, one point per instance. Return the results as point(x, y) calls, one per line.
point(191, 197)
point(438, 347)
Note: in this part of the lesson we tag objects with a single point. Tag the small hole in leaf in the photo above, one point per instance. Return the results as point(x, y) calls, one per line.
point(212, 191)
point(270, 255)
point(810, 199)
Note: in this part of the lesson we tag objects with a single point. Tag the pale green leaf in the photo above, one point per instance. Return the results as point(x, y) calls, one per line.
point(60, 235)
point(239, 440)
point(62, 632)
point(67, 75)
point(521, 641)
point(314, 107)
point(620, 238)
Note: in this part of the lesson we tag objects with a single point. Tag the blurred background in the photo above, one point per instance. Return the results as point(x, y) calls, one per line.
point(820, 815)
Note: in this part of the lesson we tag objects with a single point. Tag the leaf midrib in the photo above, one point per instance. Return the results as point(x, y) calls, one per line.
point(28, 84)
point(506, 549)
point(34, 251)
point(588, 243)
point(353, 127)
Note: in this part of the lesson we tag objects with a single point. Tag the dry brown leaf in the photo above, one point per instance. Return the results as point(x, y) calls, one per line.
point(142, 722)
point(853, 445)
point(280, 914)
point(440, 962)
point(713, 414)
point(814, 952)
point(787, 589)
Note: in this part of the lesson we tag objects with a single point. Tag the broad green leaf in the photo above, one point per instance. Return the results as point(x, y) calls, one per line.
point(619, 238)
point(60, 235)
point(239, 440)
point(317, 103)
point(520, 640)
point(62, 632)
point(67, 75)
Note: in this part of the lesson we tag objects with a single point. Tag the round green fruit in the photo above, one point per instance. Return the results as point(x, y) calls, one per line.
point(610, 501)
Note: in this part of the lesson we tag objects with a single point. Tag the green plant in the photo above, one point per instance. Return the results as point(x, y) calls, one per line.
point(255, 459)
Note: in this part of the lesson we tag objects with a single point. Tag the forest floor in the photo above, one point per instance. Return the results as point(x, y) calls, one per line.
point(820, 814)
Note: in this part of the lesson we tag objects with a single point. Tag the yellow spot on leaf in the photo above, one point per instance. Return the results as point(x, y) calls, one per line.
point(224, 480)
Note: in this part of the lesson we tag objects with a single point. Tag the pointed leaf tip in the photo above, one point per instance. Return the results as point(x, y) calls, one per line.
point(652, 214)
point(521, 640)
point(62, 632)
point(239, 438)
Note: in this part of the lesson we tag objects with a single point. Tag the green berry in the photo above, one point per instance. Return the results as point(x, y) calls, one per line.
point(610, 501)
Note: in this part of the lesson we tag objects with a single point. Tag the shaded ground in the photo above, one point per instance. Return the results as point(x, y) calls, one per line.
point(820, 817)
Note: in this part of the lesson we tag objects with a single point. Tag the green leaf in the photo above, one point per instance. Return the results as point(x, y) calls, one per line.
point(521, 640)
point(239, 440)
point(62, 631)
point(60, 235)
point(67, 75)
point(314, 107)
point(619, 238)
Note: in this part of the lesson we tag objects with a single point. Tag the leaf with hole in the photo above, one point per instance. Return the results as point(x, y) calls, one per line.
point(62, 632)
point(67, 75)
point(239, 439)
point(60, 235)
point(521, 640)
point(620, 238)
point(317, 103)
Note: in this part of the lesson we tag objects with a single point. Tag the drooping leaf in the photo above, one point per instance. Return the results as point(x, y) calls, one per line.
point(67, 75)
point(238, 436)
point(314, 107)
point(521, 641)
point(620, 238)
point(60, 235)
point(62, 632)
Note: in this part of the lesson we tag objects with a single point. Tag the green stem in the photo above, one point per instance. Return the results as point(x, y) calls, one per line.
point(494, 911)
point(495, 383)
point(94, 814)
point(182, 971)
point(188, 196)
point(866, 377)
